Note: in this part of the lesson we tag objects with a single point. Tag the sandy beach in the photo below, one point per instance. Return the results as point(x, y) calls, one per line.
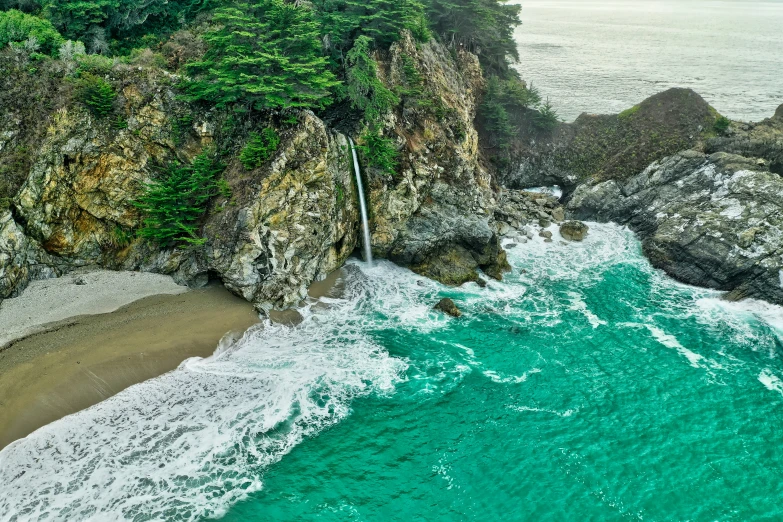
point(69, 346)
point(80, 361)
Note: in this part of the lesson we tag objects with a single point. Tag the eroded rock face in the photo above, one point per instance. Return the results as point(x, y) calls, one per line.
point(437, 216)
point(714, 221)
point(294, 225)
point(288, 223)
point(22, 259)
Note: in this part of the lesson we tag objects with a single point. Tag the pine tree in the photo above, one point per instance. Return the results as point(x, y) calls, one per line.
point(174, 205)
point(382, 21)
point(485, 27)
point(362, 85)
point(265, 55)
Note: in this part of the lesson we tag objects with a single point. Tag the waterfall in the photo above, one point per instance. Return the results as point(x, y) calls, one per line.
point(362, 205)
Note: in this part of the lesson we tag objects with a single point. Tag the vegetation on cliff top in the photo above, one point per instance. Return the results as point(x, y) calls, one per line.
point(244, 57)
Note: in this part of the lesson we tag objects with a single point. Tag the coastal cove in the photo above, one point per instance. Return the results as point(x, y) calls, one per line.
point(373, 260)
point(587, 384)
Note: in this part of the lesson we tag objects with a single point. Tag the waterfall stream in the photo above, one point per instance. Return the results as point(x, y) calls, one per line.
point(362, 205)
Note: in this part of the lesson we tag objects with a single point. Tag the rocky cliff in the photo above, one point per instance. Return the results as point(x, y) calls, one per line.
point(437, 216)
point(611, 146)
point(273, 230)
point(713, 218)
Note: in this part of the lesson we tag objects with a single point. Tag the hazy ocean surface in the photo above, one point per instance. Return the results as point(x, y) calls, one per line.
point(587, 386)
point(606, 56)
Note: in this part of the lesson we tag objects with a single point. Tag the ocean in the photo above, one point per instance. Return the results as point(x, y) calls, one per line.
point(606, 56)
point(586, 386)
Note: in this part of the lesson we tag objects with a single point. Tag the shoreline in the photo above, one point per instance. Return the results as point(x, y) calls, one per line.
point(53, 303)
point(80, 361)
point(61, 367)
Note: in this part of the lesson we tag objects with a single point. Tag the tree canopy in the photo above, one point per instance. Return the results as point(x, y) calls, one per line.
point(264, 54)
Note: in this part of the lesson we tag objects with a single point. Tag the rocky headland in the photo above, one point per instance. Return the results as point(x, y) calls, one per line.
point(704, 198)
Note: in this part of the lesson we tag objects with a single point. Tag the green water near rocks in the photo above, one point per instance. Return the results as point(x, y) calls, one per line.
point(587, 386)
point(603, 392)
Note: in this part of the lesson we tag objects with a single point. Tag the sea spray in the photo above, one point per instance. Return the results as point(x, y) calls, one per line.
point(362, 205)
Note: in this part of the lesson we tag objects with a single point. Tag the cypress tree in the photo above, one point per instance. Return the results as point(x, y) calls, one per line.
point(264, 55)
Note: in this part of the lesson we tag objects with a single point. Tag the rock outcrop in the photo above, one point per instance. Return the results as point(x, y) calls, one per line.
point(574, 230)
point(709, 220)
point(448, 307)
point(274, 230)
point(436, 217)
point(612, 146)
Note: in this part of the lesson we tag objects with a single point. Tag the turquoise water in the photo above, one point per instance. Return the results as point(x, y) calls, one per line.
point(587, 386)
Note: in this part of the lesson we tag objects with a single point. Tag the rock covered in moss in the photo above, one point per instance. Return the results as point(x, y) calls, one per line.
point(574, 230)
point(613, 146)
point(448, 307)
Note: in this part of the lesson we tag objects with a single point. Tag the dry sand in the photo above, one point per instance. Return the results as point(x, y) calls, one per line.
point(78, 293)
point(81, 361)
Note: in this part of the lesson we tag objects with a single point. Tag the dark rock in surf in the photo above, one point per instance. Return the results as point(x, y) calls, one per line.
point(574, 230)
point(447, 306)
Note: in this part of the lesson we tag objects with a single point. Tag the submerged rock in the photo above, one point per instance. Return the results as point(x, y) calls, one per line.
point(447, 306)
point(574, 230)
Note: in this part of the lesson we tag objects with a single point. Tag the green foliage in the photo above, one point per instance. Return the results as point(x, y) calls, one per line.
point(721, 124)
point(381, 153)
point(96, 93)
point(266, 55)
point(259, 148)
point(485, 27)
point(18, 27)
point(382, 21)
point(362, 86)
point(224, 189)
point(504, 105)
point(174, 205)
point(494, 112)
point(545, 119)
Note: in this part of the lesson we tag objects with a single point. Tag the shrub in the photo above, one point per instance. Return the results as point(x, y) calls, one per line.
point(174, 205)
point(264, 54)
point(362, 86)
point(380, 152)
point(721, 125)
point(259, 148)
point(18, 27)
point(546, 117)
point(96, 93)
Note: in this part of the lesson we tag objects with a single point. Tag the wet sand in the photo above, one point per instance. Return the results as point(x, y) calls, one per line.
point(81, 361)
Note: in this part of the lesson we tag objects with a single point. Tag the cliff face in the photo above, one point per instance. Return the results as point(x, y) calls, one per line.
point(713, 220)
point(277, 228)
point(437, 217)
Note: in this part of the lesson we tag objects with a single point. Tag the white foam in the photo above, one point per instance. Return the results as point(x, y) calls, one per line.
point(562, 414)
point(191, 443)
point(771, 381)
point(671, 341)
point(578, 305)
point(554, 191)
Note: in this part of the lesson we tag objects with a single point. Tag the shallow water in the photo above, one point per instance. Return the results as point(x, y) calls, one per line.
point(588, 387)
point(606, 56)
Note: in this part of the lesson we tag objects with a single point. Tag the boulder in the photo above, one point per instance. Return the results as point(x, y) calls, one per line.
point(574, 230)
point(447, 306)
